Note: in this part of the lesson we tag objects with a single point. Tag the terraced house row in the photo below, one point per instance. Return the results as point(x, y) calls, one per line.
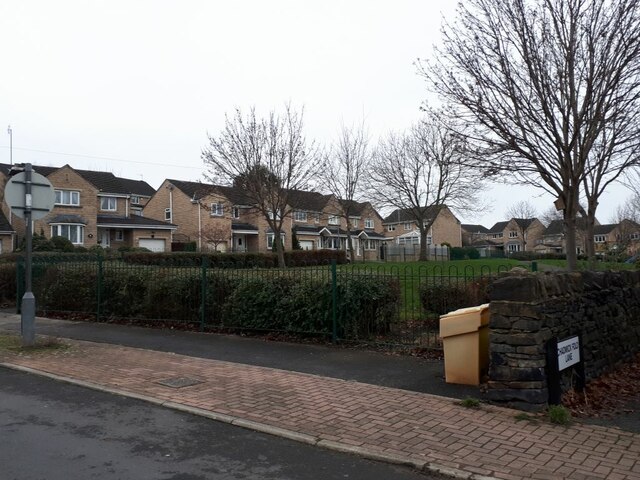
point(98, 208)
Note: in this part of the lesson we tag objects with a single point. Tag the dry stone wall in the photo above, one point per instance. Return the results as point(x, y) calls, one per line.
point(528, 310)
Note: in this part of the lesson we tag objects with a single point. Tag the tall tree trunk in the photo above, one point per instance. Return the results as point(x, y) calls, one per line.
point(279, 249)
point(590, 223)
point(570, 240)
point(423, 245)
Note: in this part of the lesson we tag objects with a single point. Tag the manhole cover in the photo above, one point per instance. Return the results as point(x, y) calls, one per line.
point(179, 382)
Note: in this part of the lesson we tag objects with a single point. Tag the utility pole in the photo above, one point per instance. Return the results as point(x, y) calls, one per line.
point(10, 132)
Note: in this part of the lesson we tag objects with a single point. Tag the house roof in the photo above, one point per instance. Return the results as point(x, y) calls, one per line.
point(474, 228)
point(400, 215)
point(556, 227)
point(133, 221)
point(524, 223)
point(199, 190)
point(310, 201)
point(498, 227)
point(67, 218)
point(243, 226)
point(5, 226)
point(104, 181)
point(604, 229)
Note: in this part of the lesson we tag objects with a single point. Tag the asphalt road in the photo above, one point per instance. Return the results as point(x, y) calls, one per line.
point(56, 431)
point(405, 372)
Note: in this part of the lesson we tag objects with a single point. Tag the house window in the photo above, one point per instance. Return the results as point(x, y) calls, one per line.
point(354, 222)
point(119, 235)
point(316, 218)
point(72, 232)
point(514, 247)
point(635, 236)
point(109, 204)
point(599, 238)
point(412, 240)
point(370, 244)
point(497, 235)
point(67, 197)
point(299, 216)
point(391, 228)
point(332, 243)
point(235, 212)
point(274, 217)
point(135, 200)
point(217, 209)
point(408, 226)
point(167, 214)
point(271, 237)
point(136, 211)
point(334, 220)
point(368, 223)
point(513, 234)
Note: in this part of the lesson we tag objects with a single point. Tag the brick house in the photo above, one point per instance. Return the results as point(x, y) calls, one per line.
point(7, 234)
point(95, 208)
point(623, 237)
point(401, 228)
point(553, 241)
point(221, 218)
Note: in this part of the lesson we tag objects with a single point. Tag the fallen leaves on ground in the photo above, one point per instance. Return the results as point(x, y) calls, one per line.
point(612, 393)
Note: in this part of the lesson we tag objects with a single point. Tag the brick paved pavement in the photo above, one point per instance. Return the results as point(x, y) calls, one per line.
point(423, 430)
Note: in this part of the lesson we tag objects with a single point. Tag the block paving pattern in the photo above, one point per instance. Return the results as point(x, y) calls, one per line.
point(424, 428)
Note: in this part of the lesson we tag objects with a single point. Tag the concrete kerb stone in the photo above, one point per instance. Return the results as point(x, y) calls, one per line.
point(263, 428)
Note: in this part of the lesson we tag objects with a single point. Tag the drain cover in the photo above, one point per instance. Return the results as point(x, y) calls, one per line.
point(179, 382)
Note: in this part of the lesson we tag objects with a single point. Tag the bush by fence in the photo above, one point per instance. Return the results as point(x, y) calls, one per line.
point(236, 260)
point(441, 298)
point(276, 302)
point(464, 253)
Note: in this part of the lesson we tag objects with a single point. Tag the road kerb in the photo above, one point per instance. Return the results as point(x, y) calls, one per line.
point(263, 428)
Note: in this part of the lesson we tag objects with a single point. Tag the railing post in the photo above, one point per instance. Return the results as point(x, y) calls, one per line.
point(99, 289)
point(204, 265)
point(534, 266)
point(334, 302)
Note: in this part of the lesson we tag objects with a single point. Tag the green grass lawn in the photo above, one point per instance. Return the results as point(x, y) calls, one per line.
point(462, 268)
point(584, 265)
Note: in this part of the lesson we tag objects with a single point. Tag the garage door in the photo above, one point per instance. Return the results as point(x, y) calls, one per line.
point(153, 244)
point(306, 244)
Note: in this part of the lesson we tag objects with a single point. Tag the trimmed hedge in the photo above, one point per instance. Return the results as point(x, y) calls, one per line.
point(464, 253)
point(275, 302)
point(8, 283)
point(446, 297)
point(236, 260)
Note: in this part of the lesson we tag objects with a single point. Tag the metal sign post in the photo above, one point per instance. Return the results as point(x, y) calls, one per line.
point(563, 354)
point(31, 197)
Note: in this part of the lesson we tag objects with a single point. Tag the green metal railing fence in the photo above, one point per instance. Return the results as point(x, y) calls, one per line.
point(372, 303)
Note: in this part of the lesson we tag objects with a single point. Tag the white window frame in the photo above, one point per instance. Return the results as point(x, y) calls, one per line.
point(408, 226)
point(391, 228)
point(316, 218)
point(599, 238)
point(271, 237)
point(108, 207)
point(513, 247)
point(370, 245)
point(369, 223)
point(355, 222)
point(274, 217)
point(135, 200)
point(333, 220)
point(634, 236)
point(235, 212)
point(217, 209)
point(299, 216)
point(72, 200)
point(167, 214)
point(65, 230)
point(513, 234)
point(119, 236)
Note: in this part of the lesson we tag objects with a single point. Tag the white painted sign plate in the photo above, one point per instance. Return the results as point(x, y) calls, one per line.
point(568, 352)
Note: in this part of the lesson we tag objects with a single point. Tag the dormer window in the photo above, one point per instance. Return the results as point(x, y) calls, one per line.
point(368, 223)
point(513, 234)
point(235, 212)
point(299, 216)
point(135, 200)
point(334, 220)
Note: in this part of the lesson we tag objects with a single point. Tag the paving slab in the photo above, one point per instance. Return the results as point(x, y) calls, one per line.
point(426, 431)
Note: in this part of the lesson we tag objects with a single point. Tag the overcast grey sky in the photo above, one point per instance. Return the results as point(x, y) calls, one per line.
point(134, 86)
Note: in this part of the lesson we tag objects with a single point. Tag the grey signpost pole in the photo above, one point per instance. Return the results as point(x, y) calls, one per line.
point(28, 308)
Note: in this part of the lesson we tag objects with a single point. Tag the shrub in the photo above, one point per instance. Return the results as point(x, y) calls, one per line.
point(559, 415)
point(61, 244)
point(441, 298)
point(464, 253)
point(8, 283)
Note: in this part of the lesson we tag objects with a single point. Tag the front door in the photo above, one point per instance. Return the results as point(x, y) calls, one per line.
point(240, 243)
point(105, 239)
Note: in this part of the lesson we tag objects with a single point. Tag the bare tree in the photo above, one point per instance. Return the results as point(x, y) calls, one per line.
point(214, 235)
point(422, 170)
point(539, 81)
point(344, 166)
point(268, 158)
point(550, 214)
point(522, 212)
